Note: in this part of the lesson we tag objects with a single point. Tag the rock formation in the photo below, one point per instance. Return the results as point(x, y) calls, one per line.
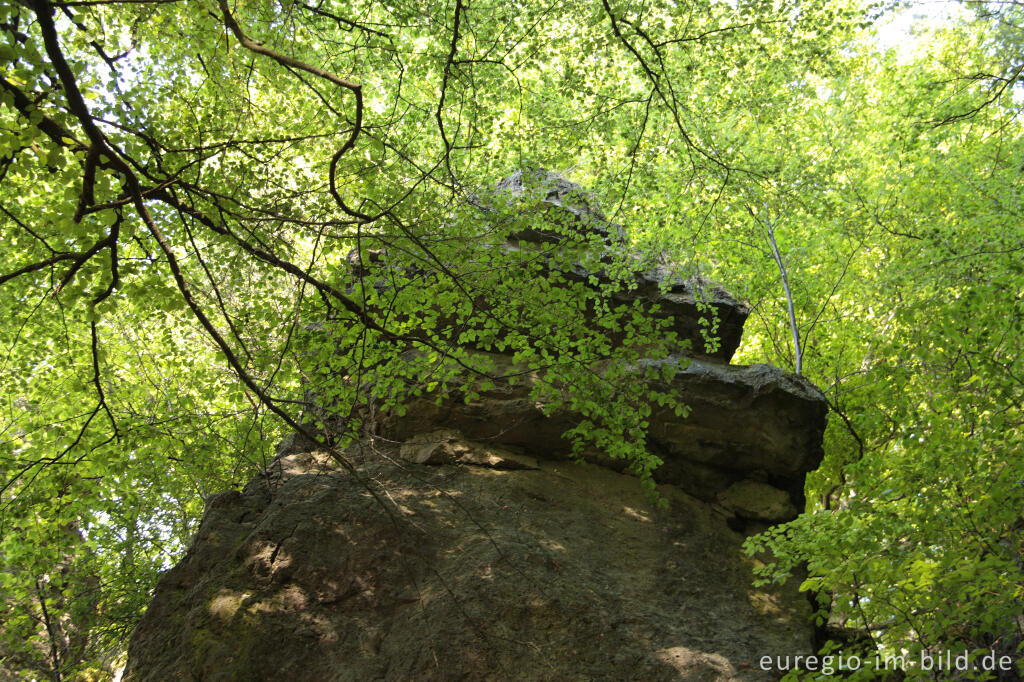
point(478, 551)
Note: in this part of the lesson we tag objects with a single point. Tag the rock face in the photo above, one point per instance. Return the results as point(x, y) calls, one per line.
point(661, 293)
point(469, 547)
point(545, 571)
point(747, 423)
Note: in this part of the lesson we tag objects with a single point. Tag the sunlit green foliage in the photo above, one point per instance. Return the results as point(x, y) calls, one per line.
point(212, 211)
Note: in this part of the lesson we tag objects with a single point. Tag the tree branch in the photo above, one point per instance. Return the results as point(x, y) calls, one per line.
point(354, 88)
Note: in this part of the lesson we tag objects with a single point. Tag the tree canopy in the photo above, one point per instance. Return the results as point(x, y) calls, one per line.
point(192, 195)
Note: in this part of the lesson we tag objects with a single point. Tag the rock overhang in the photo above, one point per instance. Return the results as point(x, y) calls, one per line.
point(464, 545)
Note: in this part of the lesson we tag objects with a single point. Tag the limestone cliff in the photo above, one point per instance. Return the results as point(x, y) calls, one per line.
point(479, 552)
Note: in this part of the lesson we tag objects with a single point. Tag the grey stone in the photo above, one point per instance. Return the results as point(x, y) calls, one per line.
point(757, 501)
point(464, 572)
point(745, 421)
point(466, 546)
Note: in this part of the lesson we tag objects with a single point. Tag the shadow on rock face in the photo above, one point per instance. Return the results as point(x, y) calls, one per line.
point(470, 572)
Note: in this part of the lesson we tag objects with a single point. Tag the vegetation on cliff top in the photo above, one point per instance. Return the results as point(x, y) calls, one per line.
point(185, 186)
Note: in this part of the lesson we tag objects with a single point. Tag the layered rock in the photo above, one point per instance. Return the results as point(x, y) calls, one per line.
point(752, 423)
point(755, 427)
point(692, 306)
point(467, 546)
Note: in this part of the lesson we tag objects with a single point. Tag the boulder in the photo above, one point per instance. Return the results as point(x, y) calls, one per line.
point(695, 307)
point(572, 202)
point(753, 422)
point(463, 571)
point(705, 317)
point(463, 544)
